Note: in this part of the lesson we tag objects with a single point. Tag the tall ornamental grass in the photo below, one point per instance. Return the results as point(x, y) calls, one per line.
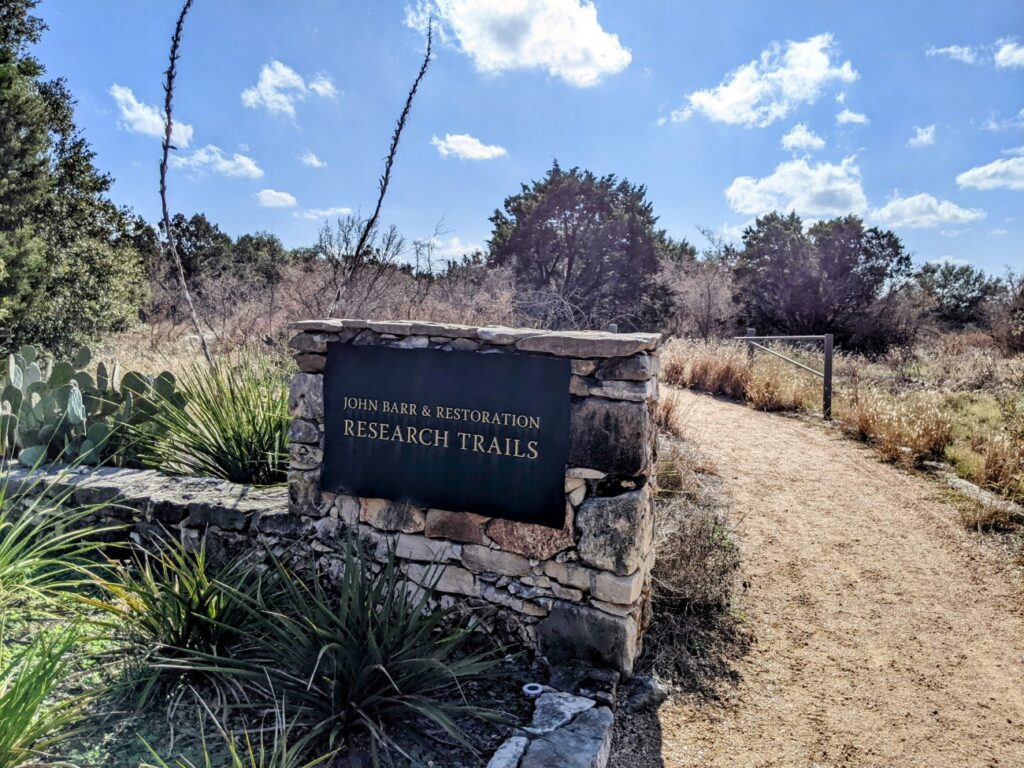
point(45, 541)
point(234, 424)
point(32, 722)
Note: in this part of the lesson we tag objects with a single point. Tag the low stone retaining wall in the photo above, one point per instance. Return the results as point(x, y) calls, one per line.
point(581, 592)
point(150, 503)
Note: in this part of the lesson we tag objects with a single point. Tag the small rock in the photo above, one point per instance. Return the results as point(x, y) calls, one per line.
point(509, 753)
point(645, 692)
point(553, 710)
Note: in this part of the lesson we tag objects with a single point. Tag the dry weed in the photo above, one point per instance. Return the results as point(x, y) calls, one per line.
point(697, 557)
point(906, 428)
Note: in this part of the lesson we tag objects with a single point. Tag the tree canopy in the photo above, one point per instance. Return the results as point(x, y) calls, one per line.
point(829, 278)
point(583, 248)
point(68, 262)
point(959, 291)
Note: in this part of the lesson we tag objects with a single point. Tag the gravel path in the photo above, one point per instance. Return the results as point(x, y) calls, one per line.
point(884, 635)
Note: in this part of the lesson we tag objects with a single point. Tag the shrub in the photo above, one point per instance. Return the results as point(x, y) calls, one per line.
point(697, 556)
point(234, 424)
point(369, 656)
point(30, 723)
point(169, 604)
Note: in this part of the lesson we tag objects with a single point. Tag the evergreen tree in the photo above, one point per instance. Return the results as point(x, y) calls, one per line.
point(582, 244)
point(70, 268)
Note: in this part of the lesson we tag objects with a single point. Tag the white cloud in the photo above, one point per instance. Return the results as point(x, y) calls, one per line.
point(963, 53)
point(841, 97)
point(137, 117)
point(994, 124)
point(846, 116)
point(466, 147)
point(1009, 55)
point(923, 211)
point(452, 248)
point(1016, 151)
point(272, 198)
point(323, 213)
point(768, 88)
point(801, 138)
point(211, 158)
point(923, 137)
point(279, 88)
point(821, 189)
point(949, 260)
point(322, 85)
point(312, 160)
point(562, 37)
point(1004, 173)
point(998, 232)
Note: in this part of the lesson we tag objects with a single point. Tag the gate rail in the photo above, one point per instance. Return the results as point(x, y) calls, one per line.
point(825, 375)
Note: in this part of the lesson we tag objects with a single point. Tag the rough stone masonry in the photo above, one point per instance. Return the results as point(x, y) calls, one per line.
point(582, 592)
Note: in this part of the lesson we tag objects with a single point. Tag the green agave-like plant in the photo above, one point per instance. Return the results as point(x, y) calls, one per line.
point(61, 411)
point(46, 542)
point(370, 655)
point(32, 721)
point(234, 424)
point(274, 746)
point(169, 603)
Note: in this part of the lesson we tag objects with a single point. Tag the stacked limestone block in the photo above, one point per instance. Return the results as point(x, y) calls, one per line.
point(579, 592)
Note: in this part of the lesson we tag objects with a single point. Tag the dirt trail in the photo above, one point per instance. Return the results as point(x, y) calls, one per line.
point(884, 635)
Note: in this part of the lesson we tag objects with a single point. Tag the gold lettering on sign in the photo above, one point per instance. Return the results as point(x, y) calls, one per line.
point(433, 437)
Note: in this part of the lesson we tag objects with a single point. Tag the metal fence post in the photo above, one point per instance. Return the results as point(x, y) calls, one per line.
point(826, 387)
point(750, 347)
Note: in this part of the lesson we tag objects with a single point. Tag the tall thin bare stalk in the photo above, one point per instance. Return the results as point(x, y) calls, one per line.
point(172, 244)
point(359, 256)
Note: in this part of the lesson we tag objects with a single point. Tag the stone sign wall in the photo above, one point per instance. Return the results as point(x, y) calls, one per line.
point(578, 591)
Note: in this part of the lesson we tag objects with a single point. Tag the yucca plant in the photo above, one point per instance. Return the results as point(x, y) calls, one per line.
point(370, 656)
point(273, 746)
point(169, 603)
point(234, 424)
point(45, 541)
point(31, 721)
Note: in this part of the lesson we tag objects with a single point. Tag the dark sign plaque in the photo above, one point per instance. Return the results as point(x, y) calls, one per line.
point(461, 431)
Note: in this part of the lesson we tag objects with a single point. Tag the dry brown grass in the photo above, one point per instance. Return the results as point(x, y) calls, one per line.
point(773, 385)
point(718, 368)
point(1002, 464)
point(983, 517)
point(670, 415)
point(906, 428)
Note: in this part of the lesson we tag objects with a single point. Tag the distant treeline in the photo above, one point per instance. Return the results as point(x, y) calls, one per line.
point(571, 249)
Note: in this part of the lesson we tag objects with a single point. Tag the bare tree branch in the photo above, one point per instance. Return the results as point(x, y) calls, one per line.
point(371, 223)
point(167, 147)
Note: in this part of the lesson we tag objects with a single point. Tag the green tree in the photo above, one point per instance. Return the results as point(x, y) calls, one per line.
point(70, 270)
point(832, 278)
point(206, 251)
point(24, 164)
point(260, 257)
point(959, 291)
point(583, 248)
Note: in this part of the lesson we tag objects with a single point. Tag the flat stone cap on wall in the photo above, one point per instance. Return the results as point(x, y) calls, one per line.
point(578, 344)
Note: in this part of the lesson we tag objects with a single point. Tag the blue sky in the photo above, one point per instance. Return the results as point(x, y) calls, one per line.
point(909, 114)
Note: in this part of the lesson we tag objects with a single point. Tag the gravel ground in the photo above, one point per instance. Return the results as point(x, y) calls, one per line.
point(884, 634)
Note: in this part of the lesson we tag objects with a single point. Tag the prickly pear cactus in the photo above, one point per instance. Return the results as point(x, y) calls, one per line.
point(58, 410)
